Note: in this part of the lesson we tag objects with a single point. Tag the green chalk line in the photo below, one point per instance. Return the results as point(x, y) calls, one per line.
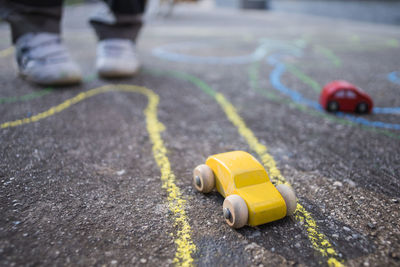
point(184, 76)
point(304, 78)
point(329, 54)
point(26, 97)
point(37, 94)
point(392, 43)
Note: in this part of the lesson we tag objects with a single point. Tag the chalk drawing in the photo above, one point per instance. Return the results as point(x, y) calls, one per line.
point(275, 78)
point(166, 52)
point(176, 203)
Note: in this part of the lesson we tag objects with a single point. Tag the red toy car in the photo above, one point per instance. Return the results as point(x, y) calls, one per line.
point(344, 96)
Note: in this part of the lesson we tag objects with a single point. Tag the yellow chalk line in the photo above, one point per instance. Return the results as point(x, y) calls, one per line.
point(317, 239)
point(6, 52)
point(183, 241)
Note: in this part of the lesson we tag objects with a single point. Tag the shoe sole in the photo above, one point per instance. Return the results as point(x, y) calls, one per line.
point(60, 82)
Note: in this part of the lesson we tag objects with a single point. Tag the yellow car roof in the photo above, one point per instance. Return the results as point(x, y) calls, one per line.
point(237, 162)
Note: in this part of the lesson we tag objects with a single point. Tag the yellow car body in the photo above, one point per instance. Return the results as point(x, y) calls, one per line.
point(240, 173)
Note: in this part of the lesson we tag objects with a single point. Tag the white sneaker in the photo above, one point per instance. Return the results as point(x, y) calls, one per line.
point(43, 59)
point(116, 58)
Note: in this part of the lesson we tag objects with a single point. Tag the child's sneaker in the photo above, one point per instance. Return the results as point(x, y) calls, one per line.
point(43, 59)
point(116, 58)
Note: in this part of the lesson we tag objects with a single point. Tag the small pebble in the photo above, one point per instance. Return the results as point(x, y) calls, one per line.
point(121, 172)
point(351, 183)
point(250, 246)
point(143, 260)
point(371, 225)
point(394, 255)
point(337, 183)
point(255, 234)
point(347, 229)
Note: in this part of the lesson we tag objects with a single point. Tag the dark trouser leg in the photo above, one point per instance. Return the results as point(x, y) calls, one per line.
point(25, 16)
point(122, 20)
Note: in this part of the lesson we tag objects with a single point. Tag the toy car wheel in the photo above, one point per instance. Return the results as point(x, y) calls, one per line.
point(235, 211)
point(289, 196)
point(362, 108)
point(332, 106)
point(203, 178)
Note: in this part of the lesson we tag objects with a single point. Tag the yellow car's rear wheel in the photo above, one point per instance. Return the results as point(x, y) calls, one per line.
point(289, 196)
point(235, 211)
point(203, 178)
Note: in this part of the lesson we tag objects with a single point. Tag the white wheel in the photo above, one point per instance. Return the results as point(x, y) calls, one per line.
point(289, 196)
point(235, 211)
point(203, 178)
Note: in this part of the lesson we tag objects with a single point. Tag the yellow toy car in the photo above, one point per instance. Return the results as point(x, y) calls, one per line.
point(250, 197)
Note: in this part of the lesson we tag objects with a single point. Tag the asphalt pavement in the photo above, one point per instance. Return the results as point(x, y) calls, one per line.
point(383, 11)
point(100, 173)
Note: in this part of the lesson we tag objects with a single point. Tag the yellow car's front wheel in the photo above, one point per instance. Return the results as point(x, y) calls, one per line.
point(203, 178)
point(235, 211)
point(289, 196)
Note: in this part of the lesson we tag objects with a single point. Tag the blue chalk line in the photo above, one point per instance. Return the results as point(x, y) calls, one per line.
point(275, 78)
point(166, 52)
point(394, 110)
point(394, 77)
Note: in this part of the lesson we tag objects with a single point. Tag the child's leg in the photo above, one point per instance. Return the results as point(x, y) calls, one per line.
point(41, 56)
point(117, 29)
point(27, 16)
point(123, 20)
